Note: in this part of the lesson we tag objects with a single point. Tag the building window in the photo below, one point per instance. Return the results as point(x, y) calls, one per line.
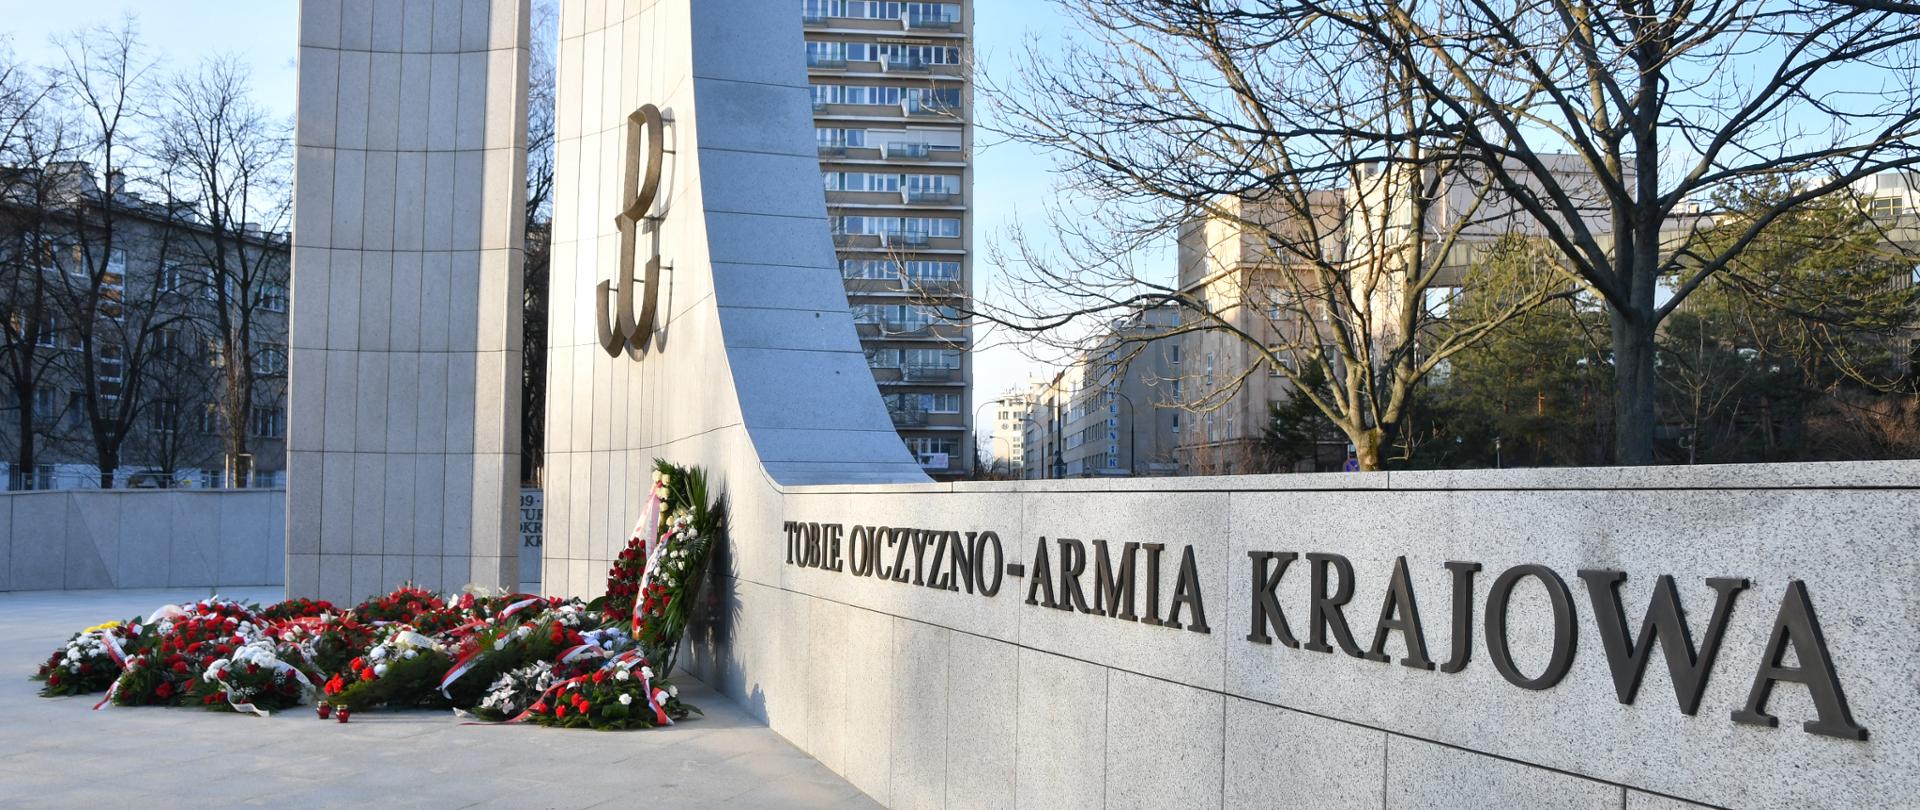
point(49, 337)
point(267, 421)
point(165, 416)
point(838, 138)
point(111, 366)
point(173, 278)
point(210, 420)
point(46, 405)
point(935, 452)
point(270, 360)
point(272, 297)
point(1438, 301)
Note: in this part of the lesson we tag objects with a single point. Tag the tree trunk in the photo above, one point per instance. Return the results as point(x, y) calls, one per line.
point(1633, 414)
point(23, 468)
point(1367, 445)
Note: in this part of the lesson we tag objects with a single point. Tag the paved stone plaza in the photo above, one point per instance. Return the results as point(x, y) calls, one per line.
point(57, 752)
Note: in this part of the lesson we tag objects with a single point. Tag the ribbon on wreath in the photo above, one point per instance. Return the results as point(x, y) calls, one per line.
point(648, 533)
point(472, 657)
point(631, 659)
point(119, 657)
point(214, 675)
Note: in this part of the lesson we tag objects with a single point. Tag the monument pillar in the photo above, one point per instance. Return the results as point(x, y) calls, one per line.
point(404, 437)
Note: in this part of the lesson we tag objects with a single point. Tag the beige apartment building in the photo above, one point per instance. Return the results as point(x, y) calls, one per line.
point(1221, 381)
point(1229, 264)
point(892, 107)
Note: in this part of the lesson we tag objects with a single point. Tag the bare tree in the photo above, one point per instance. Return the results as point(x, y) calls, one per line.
point(227, 170)
point(541, 86)
point(1667, 107)
point(32, 340)
point(105, 79)
point(1658, 107)
point(1320, 190)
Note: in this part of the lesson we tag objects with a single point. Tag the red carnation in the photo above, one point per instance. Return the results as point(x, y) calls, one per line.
point(585, 706)
point(53, 680)
point(163, 691)
point(559, 711)
point(366, 674)
point(180, 666)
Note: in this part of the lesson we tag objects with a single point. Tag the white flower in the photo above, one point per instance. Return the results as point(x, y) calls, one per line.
point(380, 670)
point(378, 653)
point(622, 675)
point(626, 699)
point(647, 673)
point(673, 691)
point(500, 643)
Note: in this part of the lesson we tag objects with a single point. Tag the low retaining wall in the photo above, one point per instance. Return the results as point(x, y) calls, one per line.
point(88, 539)
point(1246, 667)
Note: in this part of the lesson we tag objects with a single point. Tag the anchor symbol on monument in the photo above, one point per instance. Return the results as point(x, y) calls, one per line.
point(625, 332)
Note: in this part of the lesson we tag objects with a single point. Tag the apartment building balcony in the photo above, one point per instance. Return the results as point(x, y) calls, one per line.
point(928, 374)
point(894, 329)
point(856, 240)
point(832, 149)
point(897, 286)
point(813, 19)
point(916, 107)
point(826, 63)
point(912, 196)
point(935, 288)
point(929, 22)
point(908, 65)
point(908, 418)
point(904, 239)
point(909, 151)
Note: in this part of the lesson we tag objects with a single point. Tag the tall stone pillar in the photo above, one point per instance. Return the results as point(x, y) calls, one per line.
point(407, 248)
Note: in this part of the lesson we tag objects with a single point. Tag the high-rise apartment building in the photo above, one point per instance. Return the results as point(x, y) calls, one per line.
point(892, 115)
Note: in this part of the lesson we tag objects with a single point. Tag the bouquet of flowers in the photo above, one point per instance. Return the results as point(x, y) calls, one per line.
point(656, 592)
point(323, 645)
point(403, 668)
point(255, 679)
point(173, 652)
point(620, 695)
point(402, 606)
point(300, 608)
point(88, 662)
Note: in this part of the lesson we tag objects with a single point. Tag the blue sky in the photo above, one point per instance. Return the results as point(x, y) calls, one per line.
point(1010, 179)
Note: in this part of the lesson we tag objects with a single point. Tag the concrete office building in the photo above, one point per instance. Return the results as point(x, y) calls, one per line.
point(158, 366)
point(1006, 451)
point(892, 119)
point(1111, 412)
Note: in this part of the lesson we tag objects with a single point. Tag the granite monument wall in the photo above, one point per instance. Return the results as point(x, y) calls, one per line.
point(85, 539)
point(1731, 636)
point(404, 424)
